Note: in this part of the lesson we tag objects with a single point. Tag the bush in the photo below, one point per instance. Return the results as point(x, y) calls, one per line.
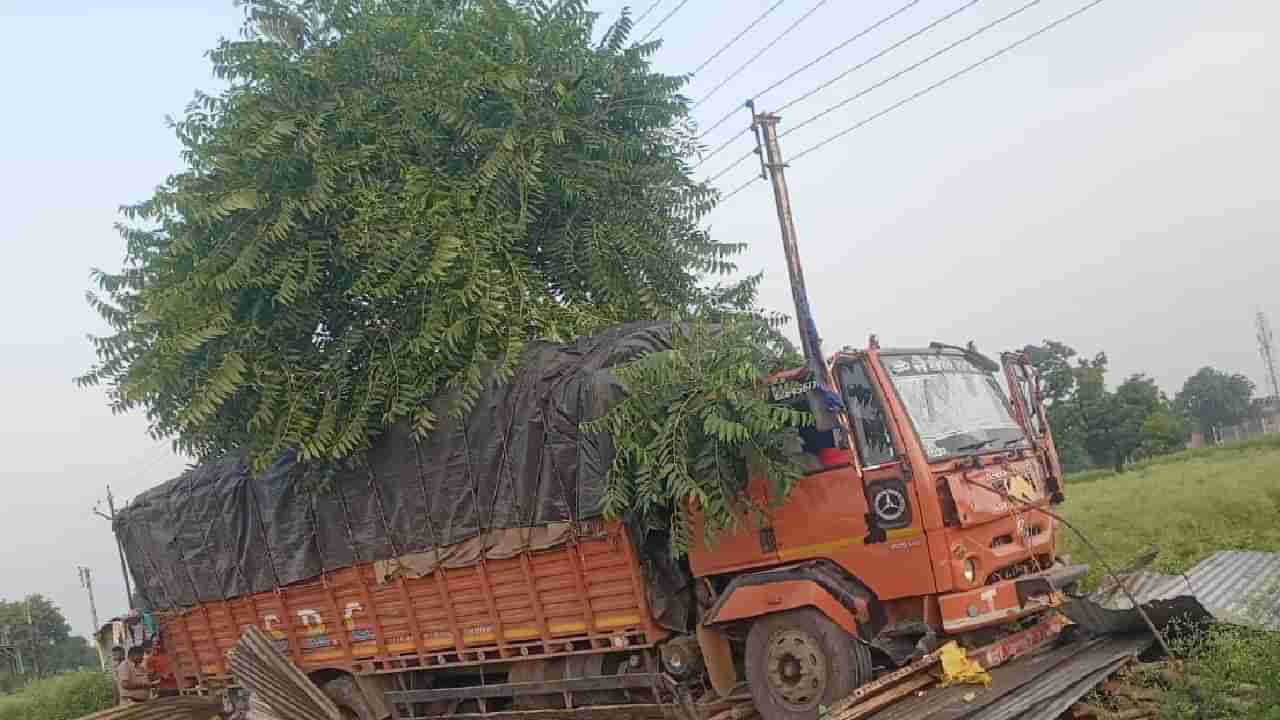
point(63, 697)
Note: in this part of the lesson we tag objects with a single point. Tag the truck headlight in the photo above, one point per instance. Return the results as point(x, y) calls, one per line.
point(970, 570)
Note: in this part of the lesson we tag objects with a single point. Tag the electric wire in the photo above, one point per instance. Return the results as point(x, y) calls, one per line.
point(888, 50)
point(934, 86)
point(738, 37)
point(740, 188)
point(645, 14)
point(732, 165)
point(664, 19)
point(843, 44)
point(913, 66)
point(722, 146)
point(760, 52)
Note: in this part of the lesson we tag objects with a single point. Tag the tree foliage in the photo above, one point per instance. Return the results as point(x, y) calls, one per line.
point(695, 422)
point(1095, 426)
point(1215, 399)
point(38, 628)
point(389, 194)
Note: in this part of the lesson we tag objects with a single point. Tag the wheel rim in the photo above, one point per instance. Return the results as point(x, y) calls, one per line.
point(797, 669)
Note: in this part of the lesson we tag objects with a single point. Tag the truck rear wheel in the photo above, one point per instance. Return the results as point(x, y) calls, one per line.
point(799, 661)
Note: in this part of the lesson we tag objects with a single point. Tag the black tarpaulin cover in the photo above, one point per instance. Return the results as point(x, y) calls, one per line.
point(518, 460)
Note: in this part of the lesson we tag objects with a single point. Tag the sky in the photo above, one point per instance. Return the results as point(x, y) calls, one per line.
point(1110, 184)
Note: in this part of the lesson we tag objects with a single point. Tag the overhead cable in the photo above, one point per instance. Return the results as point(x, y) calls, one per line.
point(814, 61)
point(732, 165)
point(737, 37)
point(722, 146)
point(760, 52)
point(664, 19)
point(645, 14)
point(947, 79)
point(1003, 18)
point(740, 188)
point(895, 46)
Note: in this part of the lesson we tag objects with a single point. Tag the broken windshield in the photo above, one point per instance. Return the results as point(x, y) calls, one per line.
point(956, 408)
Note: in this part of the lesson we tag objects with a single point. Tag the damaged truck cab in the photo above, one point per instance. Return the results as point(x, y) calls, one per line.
point(924, 524)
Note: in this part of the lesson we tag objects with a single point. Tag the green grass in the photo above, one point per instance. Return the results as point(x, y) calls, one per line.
point(63, 697)
point(1189, 505)
point(1186, 505)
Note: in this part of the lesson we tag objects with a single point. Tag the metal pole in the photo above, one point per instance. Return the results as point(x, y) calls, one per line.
point(87, 581)
point(810, 343)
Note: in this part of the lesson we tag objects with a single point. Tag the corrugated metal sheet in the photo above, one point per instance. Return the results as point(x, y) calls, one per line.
point(275, 684)
point(1234, 586)
point(1035, 687)
point(179, 708)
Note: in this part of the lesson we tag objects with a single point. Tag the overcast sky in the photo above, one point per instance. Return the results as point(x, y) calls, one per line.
point(1110, 184)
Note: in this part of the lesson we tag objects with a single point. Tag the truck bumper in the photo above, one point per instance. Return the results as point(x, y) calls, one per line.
point(1007, 600)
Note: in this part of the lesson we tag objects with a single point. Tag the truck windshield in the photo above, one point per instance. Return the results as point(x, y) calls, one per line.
point(956, 408)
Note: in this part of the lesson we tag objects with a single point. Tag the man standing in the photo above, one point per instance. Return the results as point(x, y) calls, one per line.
point(158, 668)
point(132, 679)
point(117, 657)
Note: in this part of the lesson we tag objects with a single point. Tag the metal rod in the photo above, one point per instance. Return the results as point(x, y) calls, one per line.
point(1111, 573)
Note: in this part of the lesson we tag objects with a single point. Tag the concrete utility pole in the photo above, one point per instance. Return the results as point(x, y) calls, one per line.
point(35, 653)
point(124, 568)
point(810, 343)
point(1265, 347)
point(86, 581)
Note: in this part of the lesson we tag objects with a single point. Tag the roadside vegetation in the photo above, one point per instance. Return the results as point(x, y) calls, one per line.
point(1189, 505)
point(62, 697)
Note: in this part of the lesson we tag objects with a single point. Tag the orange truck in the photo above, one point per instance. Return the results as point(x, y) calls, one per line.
point(922, 521)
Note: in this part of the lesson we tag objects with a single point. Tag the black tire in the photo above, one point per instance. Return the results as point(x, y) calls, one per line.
point(800, 661)
point(347, 695)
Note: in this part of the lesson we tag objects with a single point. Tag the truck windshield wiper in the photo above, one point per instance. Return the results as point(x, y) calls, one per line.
point(976, 446)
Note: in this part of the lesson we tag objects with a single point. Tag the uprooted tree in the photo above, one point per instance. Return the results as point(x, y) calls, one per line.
point(391, 196)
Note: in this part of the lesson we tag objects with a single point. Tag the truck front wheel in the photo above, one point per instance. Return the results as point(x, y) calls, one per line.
point(799, 661)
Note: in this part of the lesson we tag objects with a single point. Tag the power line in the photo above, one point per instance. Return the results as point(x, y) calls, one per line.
point(740, 188)
point(1003, 18)
point(947, 79)
point(884, 52)
point(722, 146)
point(762, 51)
point(732, 165)
point(813, 62)
point(737, 37)
point(664, 19)
point(645, 14)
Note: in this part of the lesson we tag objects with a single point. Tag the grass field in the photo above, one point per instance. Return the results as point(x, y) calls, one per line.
point(1187, 506)
point(62, 697)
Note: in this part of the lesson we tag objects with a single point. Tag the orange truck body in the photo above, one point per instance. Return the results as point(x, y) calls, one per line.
point(584, 596)
point(907, 535)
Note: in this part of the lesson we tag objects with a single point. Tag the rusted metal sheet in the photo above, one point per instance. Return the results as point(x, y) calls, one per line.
point(276, 683)
point(178, 708)
point(1035, 687)
point(1232, 586)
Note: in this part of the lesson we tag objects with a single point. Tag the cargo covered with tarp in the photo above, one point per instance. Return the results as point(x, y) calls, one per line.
point(516, 473)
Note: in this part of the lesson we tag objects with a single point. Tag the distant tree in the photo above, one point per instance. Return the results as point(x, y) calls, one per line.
point(1214, 399)
point(38, 627)
point(1164, 431)
point(1096, 426)
point(1053, 360)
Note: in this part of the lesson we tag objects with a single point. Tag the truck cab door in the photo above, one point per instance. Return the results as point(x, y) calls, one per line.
point(827, 514)
point(1028, 407)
